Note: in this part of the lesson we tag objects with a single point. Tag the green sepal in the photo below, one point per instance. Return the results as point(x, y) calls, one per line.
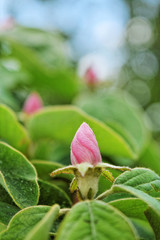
point(91, 194)
point(68, 170)
point(73, 185)
point(107, 175)
point(107, 165)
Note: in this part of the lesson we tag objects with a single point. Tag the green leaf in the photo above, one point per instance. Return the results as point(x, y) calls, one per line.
point(11, 131)
point(103, 185)
point(134, 181)
point(151, 157)
point(18, 177)
point(2, 227)
point(131, 207)
point(143, 229)
point(31, 222)
point(51, 151)
point(41, 230)
point(154, 221)
point(152, 202)
point(6, 97)
point(153, 214)
point(61, 123)
point(7, 211)
point(50, 194)
point(140, 178)
point(120, 111)
point(5, 197)
point(93, 220)
point(44, 169)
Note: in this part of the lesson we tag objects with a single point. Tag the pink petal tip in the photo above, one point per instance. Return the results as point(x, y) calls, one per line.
point(84, 147)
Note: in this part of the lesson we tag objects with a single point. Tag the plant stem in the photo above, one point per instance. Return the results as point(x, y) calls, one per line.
point(63, 211)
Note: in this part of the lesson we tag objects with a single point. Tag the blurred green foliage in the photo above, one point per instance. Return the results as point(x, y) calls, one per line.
point(32, 59)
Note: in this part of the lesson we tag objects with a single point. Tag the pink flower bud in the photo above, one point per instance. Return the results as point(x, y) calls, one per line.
point(84, 147)
point(91, 76)
point(32, 104)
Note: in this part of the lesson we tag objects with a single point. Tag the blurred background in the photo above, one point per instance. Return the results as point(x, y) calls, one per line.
point(119, 38)
point(64, 49)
